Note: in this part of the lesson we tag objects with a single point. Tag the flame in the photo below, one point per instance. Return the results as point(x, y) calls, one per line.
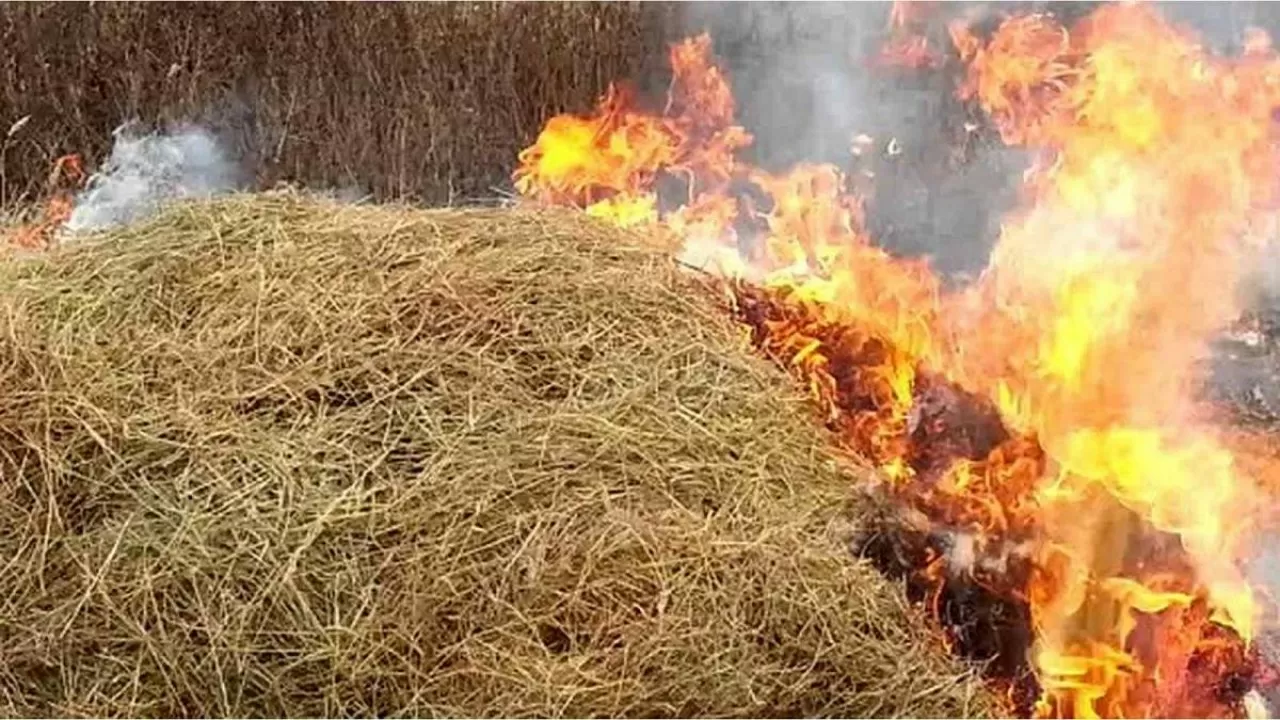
point(66, 175)
point(607, 163)
point(907, 46)
point(1157, 157)
point(1152, 184)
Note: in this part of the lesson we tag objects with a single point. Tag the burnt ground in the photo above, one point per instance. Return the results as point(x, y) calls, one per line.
point(1243, 372)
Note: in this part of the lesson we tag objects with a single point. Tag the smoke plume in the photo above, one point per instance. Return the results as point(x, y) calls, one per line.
point(807, 81)
point(146, 170)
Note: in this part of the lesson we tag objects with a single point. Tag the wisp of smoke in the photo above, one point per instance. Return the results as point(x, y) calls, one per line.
point(146, 170)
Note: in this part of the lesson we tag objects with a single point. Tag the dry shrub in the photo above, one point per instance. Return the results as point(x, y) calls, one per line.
point(280, 457)
point(426, 101)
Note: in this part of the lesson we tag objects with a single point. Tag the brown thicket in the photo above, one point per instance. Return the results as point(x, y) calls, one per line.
point(422, 101)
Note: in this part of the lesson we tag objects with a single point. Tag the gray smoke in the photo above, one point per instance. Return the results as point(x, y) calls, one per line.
point(147, 170)
point(806, 81)
point(1220, 26)
point(796, 73)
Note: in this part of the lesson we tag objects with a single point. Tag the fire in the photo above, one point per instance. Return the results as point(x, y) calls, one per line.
point(601, 163)
point(67, 175)
point(1157, 158)
point(1044, 417)
point(608, 163)
point(907, 46)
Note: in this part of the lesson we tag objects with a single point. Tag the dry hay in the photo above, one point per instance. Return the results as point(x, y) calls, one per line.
point(280, 457)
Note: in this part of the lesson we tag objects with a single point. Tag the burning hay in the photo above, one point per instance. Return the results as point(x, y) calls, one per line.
point(276, 457)
point(1049, 459)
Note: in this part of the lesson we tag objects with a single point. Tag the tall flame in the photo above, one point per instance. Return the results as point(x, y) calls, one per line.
point(1153, 183)
point(1157, 160)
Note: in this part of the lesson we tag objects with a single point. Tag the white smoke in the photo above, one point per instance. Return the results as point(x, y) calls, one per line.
point(147, 170)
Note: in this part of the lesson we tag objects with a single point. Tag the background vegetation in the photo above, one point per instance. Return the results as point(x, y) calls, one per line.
point(426, 101)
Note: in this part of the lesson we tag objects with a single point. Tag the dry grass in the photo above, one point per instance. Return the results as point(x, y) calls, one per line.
point(279, 457)
point(425, 101)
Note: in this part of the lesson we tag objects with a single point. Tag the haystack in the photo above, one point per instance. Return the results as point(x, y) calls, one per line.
point(273, 456)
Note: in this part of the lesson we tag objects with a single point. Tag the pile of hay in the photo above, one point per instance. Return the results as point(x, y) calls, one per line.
point(278, 457)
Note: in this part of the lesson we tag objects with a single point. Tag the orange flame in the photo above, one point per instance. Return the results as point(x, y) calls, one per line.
point(1157, 158)
point(607, 163)
point(1155, 174)
point(66, 175)
point(907, 46)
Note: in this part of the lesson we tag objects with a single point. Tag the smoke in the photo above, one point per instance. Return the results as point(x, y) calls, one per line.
point(146, 170)
point(795, 74)
point(349, 194)
point(804, 78)
point(1220, 25)
point(806, 82)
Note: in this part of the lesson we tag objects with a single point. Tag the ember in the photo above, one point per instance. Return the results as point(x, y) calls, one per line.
point(1050, 492)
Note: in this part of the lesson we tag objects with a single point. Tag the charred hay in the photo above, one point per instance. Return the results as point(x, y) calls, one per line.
point(273, 456)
